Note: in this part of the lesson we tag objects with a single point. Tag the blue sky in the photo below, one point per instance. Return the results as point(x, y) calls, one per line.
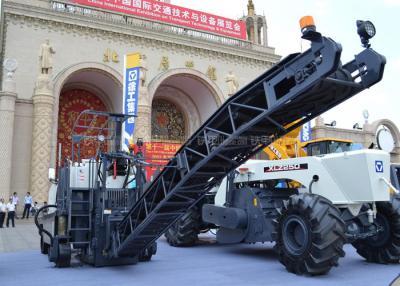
point(336, 19)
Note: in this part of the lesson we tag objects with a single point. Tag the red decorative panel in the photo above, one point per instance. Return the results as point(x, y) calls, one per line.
point(158, 153)
point(72, 103)
point(167, 122)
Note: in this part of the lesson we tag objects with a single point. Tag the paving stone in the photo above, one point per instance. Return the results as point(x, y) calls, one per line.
point(23, 237)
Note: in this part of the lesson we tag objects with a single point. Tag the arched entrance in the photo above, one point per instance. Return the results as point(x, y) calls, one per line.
point(85, 86)
point(181, 100)
point(188, 91)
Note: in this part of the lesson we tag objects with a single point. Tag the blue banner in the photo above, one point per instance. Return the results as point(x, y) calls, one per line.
point(131, 95)
point(305, 133)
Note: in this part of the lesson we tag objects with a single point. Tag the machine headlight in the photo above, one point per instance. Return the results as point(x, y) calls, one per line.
point(366, 30)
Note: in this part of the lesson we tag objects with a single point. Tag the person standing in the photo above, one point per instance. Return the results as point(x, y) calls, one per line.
point(27, 206)
point(15, 201)
point(10, 213)
point(45, 211)
point(2, 212)
point(34, 208)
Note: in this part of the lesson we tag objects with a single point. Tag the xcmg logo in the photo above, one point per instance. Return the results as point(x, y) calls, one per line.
point(305, 133)
point(379, 166)
point(283, 168)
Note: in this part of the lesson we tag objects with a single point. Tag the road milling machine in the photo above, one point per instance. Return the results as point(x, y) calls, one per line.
point(107, 215)
point(186, 230)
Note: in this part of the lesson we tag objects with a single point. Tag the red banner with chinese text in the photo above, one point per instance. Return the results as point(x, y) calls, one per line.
point(158, 154)
point(173, 14)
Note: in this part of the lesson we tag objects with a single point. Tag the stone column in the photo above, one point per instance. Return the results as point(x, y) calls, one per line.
point(255, 31)
point(265, 33)
point(319, 131)
point(368, 135)
point(7, 110)
point(251, 33)
point(43, 104)
point(143, 121)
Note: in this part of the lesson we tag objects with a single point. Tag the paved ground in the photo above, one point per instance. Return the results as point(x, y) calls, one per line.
point(22, 237)
point(206, 264)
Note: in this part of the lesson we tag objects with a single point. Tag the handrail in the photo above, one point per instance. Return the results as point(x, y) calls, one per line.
point(393, 188)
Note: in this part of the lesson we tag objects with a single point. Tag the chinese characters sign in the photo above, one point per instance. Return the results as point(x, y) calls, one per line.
point(173, 14)
point(131, 94)
point(158, 154)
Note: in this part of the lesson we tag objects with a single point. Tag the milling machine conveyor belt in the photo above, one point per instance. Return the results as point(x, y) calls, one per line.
point(300, 87)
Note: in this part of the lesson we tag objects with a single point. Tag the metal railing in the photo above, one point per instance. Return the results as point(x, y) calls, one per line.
point(129, 20)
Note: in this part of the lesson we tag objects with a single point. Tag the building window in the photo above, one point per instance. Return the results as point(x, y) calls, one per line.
point(168, 123)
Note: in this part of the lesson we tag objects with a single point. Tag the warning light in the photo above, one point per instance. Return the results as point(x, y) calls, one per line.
point(307, 23)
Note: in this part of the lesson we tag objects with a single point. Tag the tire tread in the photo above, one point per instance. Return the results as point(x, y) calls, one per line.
point(185, 231)
point(327, 232)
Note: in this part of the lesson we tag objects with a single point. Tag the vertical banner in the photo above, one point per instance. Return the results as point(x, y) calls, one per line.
point(305, 133)
point(131, 94)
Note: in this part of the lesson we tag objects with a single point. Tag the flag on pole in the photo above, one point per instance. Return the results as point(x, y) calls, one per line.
point(131, 94)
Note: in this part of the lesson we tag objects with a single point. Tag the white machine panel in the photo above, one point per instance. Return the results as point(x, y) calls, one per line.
point(117, 182)
point(83, 175)
point(359, 174)
point(344, 178)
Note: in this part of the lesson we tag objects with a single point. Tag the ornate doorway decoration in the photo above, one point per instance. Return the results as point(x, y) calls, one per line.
point(72, 103)
point(167, 122)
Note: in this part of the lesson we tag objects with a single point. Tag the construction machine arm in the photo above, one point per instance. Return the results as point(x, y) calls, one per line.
point(298, 88)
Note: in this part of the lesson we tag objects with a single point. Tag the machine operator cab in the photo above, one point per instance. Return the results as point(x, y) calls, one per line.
point(325, 146)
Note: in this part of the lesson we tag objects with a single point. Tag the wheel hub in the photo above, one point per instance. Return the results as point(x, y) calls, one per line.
point(382, 236)
point(296, 235)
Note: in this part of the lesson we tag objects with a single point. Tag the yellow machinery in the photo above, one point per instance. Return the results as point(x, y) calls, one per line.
point(290, 146)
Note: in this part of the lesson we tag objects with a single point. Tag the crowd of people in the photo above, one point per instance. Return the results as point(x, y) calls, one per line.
point(9, 209)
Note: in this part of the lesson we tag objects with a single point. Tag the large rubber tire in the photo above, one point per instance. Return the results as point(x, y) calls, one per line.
point(309, 235)
point(385, 247)
point(185, 231)
point(63, 259)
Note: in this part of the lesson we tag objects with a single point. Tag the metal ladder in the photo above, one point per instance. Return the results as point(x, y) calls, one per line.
point(300, 87)
point(79, 214)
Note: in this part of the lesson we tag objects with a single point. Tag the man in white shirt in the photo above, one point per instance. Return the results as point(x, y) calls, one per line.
point(15, 201)
point(28, 204)
point(10, 213)
point(2, 212)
